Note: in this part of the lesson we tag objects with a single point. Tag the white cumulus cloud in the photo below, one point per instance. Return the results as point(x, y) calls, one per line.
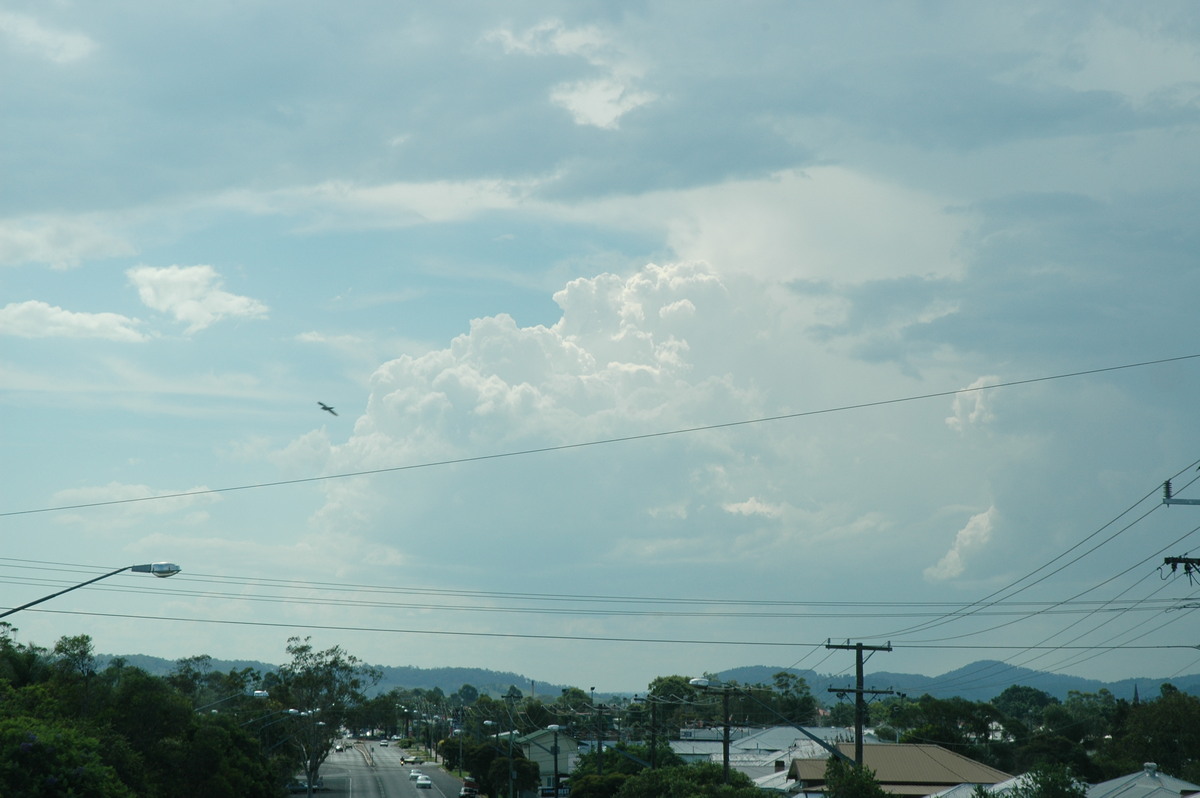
point(34, 319)
point(192, 294)
point(599, 102)
point(971, 538)
point(972, 407)
point(61, 47)
point(60, 242)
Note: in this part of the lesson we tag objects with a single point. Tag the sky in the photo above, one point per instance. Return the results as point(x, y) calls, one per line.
point(663, 337)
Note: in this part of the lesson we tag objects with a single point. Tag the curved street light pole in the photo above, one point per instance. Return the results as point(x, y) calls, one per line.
point(159, 569)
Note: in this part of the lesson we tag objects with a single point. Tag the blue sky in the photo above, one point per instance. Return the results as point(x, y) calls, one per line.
point(489, 234)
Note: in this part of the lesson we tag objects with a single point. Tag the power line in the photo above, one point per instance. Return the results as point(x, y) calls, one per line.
point(311, 593)
point(602, 442)
point(580, 638)
point(977, 606)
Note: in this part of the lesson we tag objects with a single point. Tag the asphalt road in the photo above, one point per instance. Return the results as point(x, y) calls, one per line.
point(368, 770)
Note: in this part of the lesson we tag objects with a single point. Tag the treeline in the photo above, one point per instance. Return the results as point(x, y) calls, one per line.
point(1092, 736)
point(68, 729)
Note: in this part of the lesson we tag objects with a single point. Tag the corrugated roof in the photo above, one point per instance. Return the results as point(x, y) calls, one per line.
point(1146, 783)
point(906, 764)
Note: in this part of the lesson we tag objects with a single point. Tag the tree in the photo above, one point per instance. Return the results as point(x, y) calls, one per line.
point(1048, 781)
point(963, 726)
point(45, 758)
point(795, 701)
point(846, 780)
point(1024, 703)
point(1084, 717)
point(1165, 731)
point(702, 780)
point(524, 775)
point(74, 667)
point(322, 686)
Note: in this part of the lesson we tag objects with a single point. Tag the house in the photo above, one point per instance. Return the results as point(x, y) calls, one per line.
point(1146, 783)
point(549, 748)
point(760, 752)
point(913, 771)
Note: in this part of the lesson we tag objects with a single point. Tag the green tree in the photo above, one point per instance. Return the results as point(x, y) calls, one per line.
point(965, 727)
point(1166, 731)
point(1024, 703)
point(1048, 781)
point(524, 775)
point(593, 786)
point(1084, 718)
point(219, 757)
point(845, 780)
point(842, 714)
point(49, 758)
point(793, 698)
point(322, 686)
point(702, 780)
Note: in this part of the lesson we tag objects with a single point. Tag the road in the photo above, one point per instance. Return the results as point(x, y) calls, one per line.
point(368, 770)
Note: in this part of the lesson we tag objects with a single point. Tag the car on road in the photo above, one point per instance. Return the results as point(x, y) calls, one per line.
point(383, 743)
point(468, 792)
point(424, 783)
point(415, 774)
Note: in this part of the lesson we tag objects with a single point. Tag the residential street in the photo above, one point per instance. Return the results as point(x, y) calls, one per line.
point(371, 771)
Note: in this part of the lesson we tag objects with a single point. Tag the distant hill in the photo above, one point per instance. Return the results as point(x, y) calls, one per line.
point(487, 682)
point(979, 681)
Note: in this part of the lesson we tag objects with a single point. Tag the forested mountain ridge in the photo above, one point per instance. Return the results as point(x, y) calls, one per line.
point(979, 681)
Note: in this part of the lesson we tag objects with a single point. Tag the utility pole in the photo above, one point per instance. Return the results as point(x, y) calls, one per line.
point(653, 733)
point(1190, 565)
point(599, 735)
point(860, 701)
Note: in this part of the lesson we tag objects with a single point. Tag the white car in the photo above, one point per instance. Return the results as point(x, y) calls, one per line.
point(415, 774)
point(424, 783)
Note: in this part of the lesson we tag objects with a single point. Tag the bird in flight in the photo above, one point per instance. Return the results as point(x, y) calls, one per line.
point(326, 407)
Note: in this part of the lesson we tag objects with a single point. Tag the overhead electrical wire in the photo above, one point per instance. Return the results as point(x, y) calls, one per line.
point(585, 638)
point(346, 594)
point(1004, 592)
point(998, 603)
point(602, 442)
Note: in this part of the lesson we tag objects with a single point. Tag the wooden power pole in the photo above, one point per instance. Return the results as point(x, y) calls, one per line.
point(860, 692)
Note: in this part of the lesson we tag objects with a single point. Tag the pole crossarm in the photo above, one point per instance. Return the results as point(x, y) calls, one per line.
point(1169, 499)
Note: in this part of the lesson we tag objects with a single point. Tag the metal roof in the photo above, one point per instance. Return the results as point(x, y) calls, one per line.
point(907, 769)
point(1146, 783)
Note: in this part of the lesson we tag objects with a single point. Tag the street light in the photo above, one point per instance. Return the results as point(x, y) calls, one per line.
point(554, 750)
point(259, 694)
point(159, 569)
point(704, 684)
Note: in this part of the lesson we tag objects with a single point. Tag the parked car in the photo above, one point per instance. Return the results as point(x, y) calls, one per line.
point(424, 783)
point(468, 792)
